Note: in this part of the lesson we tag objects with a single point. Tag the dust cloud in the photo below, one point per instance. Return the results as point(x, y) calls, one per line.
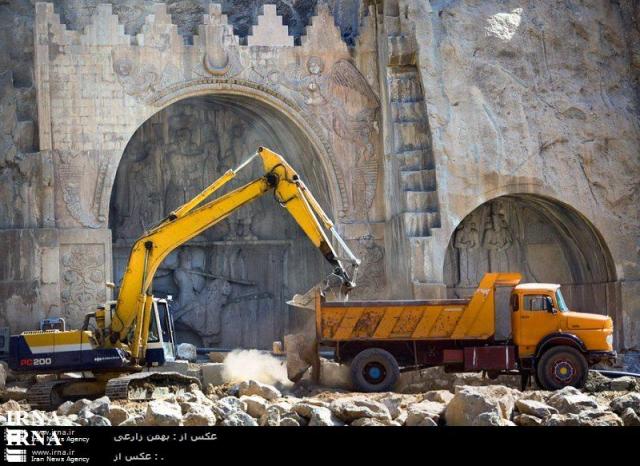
point(241, 365)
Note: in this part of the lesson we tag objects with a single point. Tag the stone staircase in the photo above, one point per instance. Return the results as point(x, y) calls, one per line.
point(411, 147)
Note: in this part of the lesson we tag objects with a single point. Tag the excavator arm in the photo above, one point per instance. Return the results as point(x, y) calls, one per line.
point(135, 299)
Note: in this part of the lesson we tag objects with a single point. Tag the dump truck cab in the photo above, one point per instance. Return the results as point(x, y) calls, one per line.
point(553, 342)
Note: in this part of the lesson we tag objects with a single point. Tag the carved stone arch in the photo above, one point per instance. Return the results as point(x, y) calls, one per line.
point(247, 89)
point(539, 236)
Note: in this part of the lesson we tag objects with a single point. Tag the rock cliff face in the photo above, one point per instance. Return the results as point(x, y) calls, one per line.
point(538, 98)
point(464, 137)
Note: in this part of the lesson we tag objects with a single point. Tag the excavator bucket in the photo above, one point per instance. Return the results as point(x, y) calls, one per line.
point(302, 346)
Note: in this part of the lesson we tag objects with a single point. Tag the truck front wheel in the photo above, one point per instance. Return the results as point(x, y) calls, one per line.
point(374, 370)
point(561, 366)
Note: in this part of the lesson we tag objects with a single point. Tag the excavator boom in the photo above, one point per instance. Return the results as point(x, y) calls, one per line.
point(194, 217)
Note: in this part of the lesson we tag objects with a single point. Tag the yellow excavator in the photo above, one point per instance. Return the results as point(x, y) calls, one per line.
point(120, 339)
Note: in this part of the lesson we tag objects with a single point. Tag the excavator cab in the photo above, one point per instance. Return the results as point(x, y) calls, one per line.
point(161, 344)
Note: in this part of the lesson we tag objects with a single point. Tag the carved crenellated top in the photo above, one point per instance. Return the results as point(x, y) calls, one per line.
point(104, 28)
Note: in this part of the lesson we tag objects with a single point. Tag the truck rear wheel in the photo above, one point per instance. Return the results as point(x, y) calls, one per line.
point(561, 366)
point(374, 370)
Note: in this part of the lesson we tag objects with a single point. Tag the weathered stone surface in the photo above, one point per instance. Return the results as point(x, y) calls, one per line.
point(100, 406)
point(473, 406)
point(630, 400)
point(14, 392)
point(351, 409)
point(585, 418)
point(98, 420)
point(527, 420)
point(570, 400)
point(187, 351)
point(323, 417)
point(198, 415)
point(535, 408)
point(256, 405)
point(252, 387)
point(162, 413)
point(117, 415)
point(239, 418)
point(630, 417)
point(418, 412)
point(439, 396)
point(78, 406)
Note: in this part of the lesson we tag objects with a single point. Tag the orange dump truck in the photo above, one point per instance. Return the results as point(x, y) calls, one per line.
point(378, 339)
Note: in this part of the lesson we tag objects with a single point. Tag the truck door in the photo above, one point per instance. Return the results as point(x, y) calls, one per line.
point(535, 320)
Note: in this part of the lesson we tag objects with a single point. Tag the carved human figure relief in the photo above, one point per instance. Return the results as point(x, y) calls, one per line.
point(466, 239)
point(371, 277)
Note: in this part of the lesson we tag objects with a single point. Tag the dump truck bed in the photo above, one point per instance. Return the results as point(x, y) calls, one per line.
point(459, 319)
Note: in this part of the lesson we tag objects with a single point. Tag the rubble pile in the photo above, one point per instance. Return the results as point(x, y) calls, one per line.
point(428, 398)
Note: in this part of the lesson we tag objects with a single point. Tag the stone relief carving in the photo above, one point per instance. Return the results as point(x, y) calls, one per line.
point(344, 104)
point(82, 268)
point(71, 171)
point(500, 236)
point(139, 81)
point(371, 277)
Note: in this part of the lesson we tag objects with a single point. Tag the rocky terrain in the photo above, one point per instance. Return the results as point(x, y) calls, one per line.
point(426, 398)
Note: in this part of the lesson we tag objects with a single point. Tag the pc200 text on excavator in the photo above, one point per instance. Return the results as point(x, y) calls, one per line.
point(137, 330)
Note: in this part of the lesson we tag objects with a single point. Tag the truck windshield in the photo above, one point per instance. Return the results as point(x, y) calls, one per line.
point(562, 306)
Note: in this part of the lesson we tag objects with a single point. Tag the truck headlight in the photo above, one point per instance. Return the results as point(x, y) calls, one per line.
point(610, 339)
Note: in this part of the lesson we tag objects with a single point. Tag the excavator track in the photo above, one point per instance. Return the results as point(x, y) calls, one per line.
point(44, 395)
point(143, 386)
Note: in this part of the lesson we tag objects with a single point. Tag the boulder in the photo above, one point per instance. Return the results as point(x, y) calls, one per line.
point(187, 351)
point(163, 413)
point(98, 421)
point(227, 406)
point(586, 418)
point(196, 414)
point(239, 418)
point(256, 405)
point(323, 417)
point(368, 422)
point(397, 403)
point(253, 387)
point(15, 392)
point(64, 408)
point(78, 406)
point(350, 409)
point(492, 419)
point(11, 405)
point(527, 420)
point(271, 417)
point(100, 405)
point(117, 415)
point(306, 407)
point(469, 403)
point(630, 400)
point(570, 400)
point(535, 408)
point(439, 396)
point(132, 421)
point(630, 418)
point(212, 373)
point(181, 367)
point(289, 422)
point(418, 412)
